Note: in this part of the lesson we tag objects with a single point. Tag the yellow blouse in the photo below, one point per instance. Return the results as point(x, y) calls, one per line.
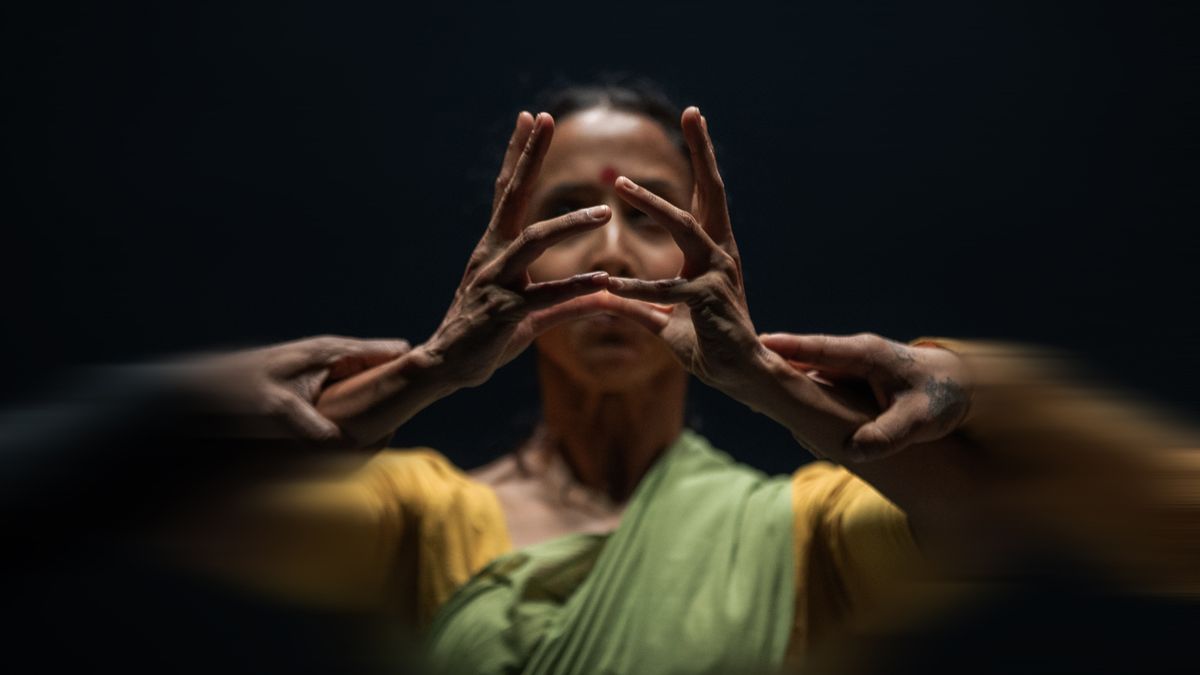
point(401, 534)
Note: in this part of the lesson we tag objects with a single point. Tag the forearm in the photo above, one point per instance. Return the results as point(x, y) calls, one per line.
point(1042, 460)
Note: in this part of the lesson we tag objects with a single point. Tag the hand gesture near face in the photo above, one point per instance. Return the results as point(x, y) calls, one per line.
point(709, 330)
point(497, 311)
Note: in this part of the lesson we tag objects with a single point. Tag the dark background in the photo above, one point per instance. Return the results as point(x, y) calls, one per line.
point(182, 177)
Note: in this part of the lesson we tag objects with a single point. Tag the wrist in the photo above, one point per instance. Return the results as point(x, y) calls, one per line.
point(424, 370)
point(764, 388)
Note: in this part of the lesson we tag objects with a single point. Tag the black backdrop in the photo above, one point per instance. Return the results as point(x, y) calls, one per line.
point(187, 177)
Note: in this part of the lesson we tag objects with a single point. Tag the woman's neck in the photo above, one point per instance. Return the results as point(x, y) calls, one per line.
point(610, 439)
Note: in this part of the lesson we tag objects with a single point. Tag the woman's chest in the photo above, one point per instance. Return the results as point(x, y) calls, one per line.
point(535, 512)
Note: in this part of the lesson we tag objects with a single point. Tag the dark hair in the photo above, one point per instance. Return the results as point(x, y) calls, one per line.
point(639, 96)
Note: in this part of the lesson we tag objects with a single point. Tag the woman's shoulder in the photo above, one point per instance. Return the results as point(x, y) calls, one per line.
point(423, 477)
point(823, 488)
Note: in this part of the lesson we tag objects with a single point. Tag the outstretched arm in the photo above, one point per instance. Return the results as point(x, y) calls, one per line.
point(992, 448)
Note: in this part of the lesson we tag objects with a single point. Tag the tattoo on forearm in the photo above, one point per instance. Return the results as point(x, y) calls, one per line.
point(947, 400)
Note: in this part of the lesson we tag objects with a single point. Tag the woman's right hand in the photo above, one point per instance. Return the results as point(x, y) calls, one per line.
point(497, 311)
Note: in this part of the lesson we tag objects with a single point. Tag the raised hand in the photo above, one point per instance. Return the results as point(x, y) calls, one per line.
point(497, 311)
point(710, 330)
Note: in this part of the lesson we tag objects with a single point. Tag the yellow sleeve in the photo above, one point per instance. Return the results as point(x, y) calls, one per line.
point(852, 548)
point(398, 535)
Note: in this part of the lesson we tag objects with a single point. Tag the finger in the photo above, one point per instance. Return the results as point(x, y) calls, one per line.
point(366, 355)
point(547, 293)
point(709, 185)
point(646, 315)
point(510, 210)
point(889, 433)
point(516, 143)
point(665, 291)
point(696, 245)
point(853, 355)
point(535, 239)
point(303, 420)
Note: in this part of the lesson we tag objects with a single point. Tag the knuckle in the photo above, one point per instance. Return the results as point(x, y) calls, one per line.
point(725, 263)
point(533, 235)
point(498, 304)
point(326, 343)
point(869, 340)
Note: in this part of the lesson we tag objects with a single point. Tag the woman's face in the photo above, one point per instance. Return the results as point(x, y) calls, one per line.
point(590, 149)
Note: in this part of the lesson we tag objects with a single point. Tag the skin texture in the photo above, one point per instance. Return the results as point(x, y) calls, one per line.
point(612, 391)
point(923, 392)
point(627, 286)
point(497, 310)
point(270, 392)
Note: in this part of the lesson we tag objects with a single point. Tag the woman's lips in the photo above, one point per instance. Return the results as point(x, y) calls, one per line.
point(611, 330)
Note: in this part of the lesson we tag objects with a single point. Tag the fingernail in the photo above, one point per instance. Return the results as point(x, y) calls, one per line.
point(624, 182)
point(597, 212)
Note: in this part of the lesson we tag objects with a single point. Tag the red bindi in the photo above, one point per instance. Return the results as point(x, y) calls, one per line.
point(608, 175)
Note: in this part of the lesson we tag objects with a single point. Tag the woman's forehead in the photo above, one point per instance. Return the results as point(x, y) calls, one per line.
point(595, 143)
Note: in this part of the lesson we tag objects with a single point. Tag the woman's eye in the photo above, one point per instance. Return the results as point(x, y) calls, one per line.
point(645, 224)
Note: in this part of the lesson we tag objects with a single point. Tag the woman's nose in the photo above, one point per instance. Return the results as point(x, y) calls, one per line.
point(611, 250)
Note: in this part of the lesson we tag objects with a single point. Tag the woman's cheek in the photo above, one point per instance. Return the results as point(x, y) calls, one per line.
point(553, 264)
point(667, 261)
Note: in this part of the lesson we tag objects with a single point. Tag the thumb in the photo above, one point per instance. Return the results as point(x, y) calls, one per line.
point(891, 432)
point(303, 420)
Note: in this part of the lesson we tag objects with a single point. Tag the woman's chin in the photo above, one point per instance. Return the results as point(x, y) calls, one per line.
point(608, 355)
point(616, 367)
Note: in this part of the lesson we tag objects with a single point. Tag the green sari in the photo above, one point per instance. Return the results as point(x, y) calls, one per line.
point(698, 578)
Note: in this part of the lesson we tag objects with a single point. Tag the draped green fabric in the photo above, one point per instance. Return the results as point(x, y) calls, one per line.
point(698, 578)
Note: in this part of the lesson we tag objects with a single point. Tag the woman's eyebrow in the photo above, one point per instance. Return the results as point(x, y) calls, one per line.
point(658, 186)
point(569, 189)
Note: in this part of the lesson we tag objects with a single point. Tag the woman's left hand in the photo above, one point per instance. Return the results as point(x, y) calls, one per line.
point(709, 329)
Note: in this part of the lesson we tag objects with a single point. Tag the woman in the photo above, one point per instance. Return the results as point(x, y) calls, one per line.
point(614, 539)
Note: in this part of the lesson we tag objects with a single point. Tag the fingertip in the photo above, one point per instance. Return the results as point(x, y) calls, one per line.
point(598, 279)
point(625, 184)
point(869, 442)
point(599, 212)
